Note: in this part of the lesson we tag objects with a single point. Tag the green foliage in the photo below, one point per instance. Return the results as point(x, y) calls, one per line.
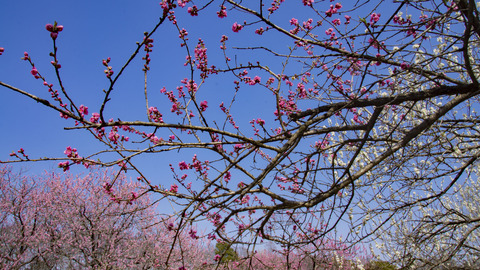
point(224, 249)
point(380, 265)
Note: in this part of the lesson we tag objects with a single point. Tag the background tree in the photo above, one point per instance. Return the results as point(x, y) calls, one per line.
point(369, 114)
point(57, 221)
point(225, 252)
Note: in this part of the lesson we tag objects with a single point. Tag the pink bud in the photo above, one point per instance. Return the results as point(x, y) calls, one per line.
point(1, 50)
point(34, 71)
point(49, 27)
point(59, 28)
point(54, 35)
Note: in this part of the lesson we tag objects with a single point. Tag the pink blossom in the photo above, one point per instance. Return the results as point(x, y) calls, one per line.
point(155, 115)
point(245, 199)
point(236, 27)
point(203, 105)
point(259, 31)
point(173, 188)
point(54, 29)
point(223, 12)
point(49, 27)
point(307, 2)
point(193, 10)
point(34, 71)
point(83, 110)
point(260, 121)
point(332, 10)
point(227, 176)
point(71, 152)
point(293, 21)
point(65, 165)
point(347, 19)
point(113, 136)
point(182, 3)
point(374, 17)
point(237, 147)
point(95, 117)
point(183, 165)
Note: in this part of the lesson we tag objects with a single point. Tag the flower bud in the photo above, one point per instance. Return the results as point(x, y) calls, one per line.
point(49, 27)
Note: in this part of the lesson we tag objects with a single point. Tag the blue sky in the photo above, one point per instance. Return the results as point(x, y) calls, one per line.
point(95, 30)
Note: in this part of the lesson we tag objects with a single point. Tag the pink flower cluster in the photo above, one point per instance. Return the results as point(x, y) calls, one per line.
point(176, 105)
point(223, 12)
point(275, 5)
point(203, 105)
point(229, 116)
point(200, 54)
point(173, 188)
point(108, 71)
point(73, 155)
point(333, 9)
point(193, 10)
point(148, 49)
point(83, 110)
point(307, 2)
point(22, 152)
point(54, 29)
point(374, 18)
point(155, 115)
point(236, 27)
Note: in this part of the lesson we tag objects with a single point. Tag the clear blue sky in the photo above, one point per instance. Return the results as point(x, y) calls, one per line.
point(93, 30)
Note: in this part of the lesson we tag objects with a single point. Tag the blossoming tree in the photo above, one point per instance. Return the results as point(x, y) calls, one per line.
point(56, 221)
point(369, 110)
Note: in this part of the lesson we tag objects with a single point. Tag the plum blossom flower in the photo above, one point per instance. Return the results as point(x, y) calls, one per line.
point(245, 199)
point(223, 12)
point(34, 71)
point(65, 165)
point(193, 10)
point(203, 105)
point(183, 165)
point(374, 17)
point(25, 56)
point(173, 188)
point(404, 66)
point(237, 27)
point(83, 110)
point(307, 2)
point(347, 19)
point(95, 117)
point(54, 29)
